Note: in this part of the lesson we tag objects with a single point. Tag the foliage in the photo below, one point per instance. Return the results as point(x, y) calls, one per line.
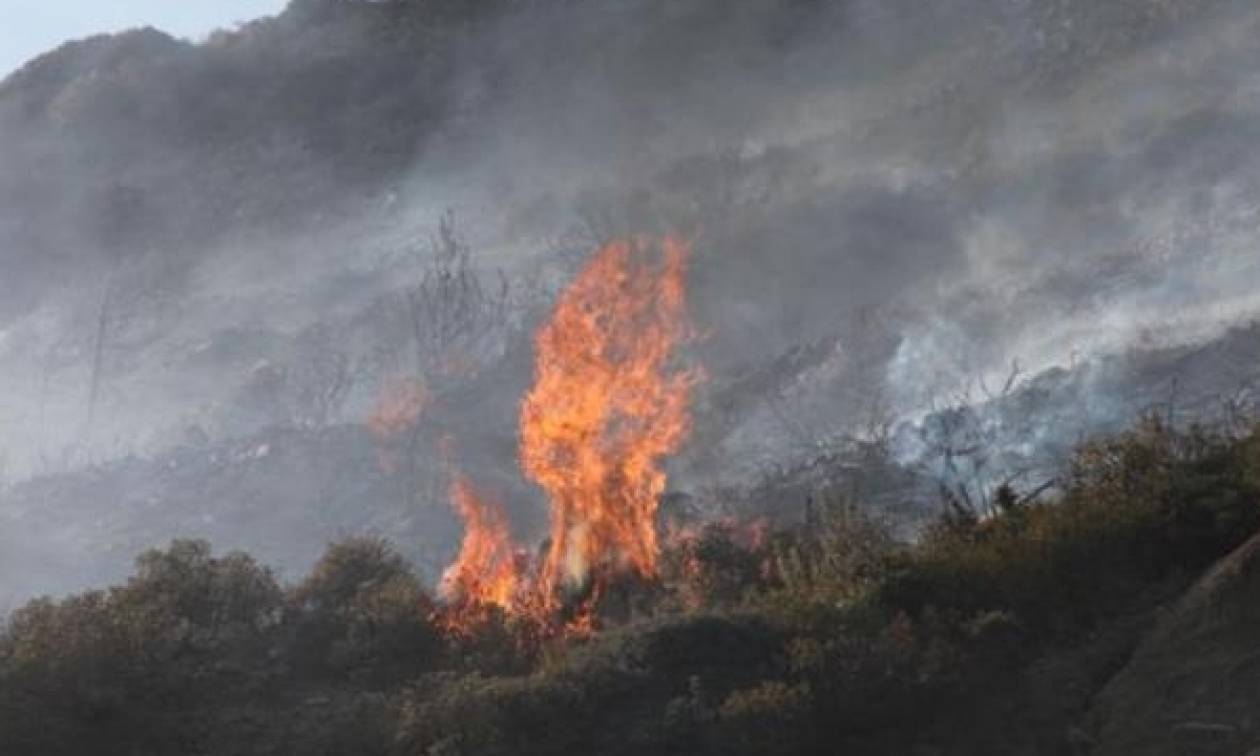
point(1137, 508)
point(362, 613)
point(829, 637)
point(838, 557)
point(124, 669)
point(718, 563)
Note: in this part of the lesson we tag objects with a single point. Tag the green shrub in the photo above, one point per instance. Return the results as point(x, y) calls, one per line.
point(362, 613)
point(718, 564)
point(829, 638)
point(129, 670)
point(1136, 509)
point(479, 715)
point(770, 717)
point(836, 559)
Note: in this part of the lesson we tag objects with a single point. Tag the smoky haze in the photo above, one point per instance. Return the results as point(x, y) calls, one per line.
point(891, 203)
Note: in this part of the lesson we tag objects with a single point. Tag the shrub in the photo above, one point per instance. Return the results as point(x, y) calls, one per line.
point(479, 715)
point(717, 564)
point(771, 717)
point(838, 558)
point(127, 671)
point(362, 613)
point(1136, 509)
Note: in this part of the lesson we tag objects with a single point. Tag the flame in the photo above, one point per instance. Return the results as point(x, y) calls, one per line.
point(605, 409)
point(486, 572)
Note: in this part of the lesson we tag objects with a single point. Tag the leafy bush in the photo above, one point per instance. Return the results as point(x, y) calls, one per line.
point(717, 564)
point(771, 717)
point(125, 671)
point(837, 558)
point(1136, 508)
point(363, 613)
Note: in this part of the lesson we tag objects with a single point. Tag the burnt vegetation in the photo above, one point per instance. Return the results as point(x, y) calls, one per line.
point(987, 634)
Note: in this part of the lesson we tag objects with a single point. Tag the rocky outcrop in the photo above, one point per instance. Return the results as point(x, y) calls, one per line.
point(1193, 687)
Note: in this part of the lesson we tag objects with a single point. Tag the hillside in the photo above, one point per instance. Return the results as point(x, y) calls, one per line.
point(281, 176)
point(1050, 628)
point(301, 488)
point(139, 141)
point(88, 525)
point(479, 377)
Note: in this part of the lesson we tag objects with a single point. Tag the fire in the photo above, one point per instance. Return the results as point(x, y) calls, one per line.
point(605, 409)
point(485, 573)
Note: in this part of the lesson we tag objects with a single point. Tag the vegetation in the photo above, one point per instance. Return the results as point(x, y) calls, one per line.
point(984, 636)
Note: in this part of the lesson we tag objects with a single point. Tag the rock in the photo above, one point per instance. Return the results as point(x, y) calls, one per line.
point(1193, 687)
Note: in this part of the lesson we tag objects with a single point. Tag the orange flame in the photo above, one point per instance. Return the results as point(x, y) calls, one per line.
point(485, 574)
point(605, 409)
point(485, 570)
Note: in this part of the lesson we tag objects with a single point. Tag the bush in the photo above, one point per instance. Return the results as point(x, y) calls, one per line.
point(771, 717)
point(717, 564)
point(836, 559)
point(1136, 509)
point(363, 614)
point(128, 670)
point(829, 638)
point(487, 716)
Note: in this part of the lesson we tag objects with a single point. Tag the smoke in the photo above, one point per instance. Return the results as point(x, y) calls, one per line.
point(890, 203)
point(1045, 185)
